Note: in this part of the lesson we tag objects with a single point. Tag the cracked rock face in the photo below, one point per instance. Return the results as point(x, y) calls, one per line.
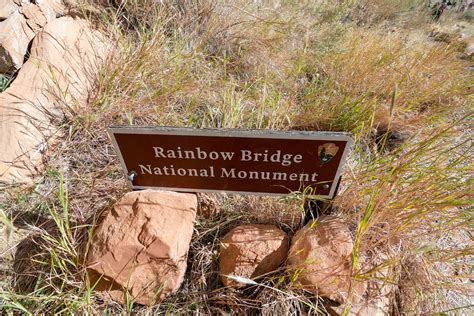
point(15, 36)
point(19, 22)
point(59, 74)
point(141, 246)
point(250, 251)
point(320, 255)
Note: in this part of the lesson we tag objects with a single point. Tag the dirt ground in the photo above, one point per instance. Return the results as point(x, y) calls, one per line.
point(9, 239)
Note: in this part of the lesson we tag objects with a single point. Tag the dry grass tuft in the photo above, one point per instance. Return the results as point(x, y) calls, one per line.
point(383, 80)
point(409, 13)
point(405, 205)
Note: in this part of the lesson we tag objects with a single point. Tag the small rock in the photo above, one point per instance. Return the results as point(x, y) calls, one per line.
point(7, 7)
point(141, 245)
point(13, 48)
point(250, 251)
point(320, 253)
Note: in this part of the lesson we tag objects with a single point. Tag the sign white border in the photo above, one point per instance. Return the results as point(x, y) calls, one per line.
point(227, 132)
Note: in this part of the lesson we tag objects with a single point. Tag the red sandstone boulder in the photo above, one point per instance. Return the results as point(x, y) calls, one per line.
point(59, 75)
point(321, 253)
point(250, 251)
point(141, 246)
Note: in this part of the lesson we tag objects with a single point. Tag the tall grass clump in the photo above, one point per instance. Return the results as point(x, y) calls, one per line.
point(193, 64)
point(48, 273)
point(279, 66)
point(409, 13)
point(377, 78)
point(411, 210)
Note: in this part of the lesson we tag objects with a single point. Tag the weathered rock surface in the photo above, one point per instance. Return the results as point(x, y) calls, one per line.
point(22, 21)
point(250, 251)
point(59, 74)
point(141, 245)
point(7, 7)
point(34, 17)
point(322, 249)
point(15, 36)
point(41, 12)
point(51, 9)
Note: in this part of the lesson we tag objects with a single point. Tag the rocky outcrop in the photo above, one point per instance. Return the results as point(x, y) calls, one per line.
point(250, 251)
point(320, 256)
point(22, 20)
point(141, 245)
point(13, 47)
point(60, 73)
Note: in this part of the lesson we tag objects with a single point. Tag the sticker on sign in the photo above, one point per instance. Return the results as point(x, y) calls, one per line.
point(231, 160)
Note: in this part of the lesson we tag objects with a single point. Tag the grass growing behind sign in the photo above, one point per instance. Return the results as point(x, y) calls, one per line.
point(212, 65)
point(415, 213)
point(367, 67)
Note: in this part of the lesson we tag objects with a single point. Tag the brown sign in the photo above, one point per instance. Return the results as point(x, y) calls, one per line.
point(231, 160)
